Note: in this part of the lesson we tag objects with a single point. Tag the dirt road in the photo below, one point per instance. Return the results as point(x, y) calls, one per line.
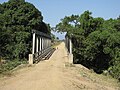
point(55, 74)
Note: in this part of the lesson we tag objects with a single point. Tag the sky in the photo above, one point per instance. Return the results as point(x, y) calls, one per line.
point(54, 10)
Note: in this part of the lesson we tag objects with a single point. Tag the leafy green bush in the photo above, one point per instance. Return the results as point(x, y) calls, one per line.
point(115, 71)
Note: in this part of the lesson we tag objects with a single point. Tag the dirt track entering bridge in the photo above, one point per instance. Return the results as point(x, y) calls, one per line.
point(56, 74)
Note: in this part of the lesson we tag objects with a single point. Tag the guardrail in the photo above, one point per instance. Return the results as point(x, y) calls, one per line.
point(42, 55)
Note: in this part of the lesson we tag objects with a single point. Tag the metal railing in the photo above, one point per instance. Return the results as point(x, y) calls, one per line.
point(41, 46)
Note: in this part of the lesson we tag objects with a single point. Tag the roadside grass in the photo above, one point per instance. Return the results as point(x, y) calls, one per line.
point(92, 77)
point(7, 68)
point(69, 64)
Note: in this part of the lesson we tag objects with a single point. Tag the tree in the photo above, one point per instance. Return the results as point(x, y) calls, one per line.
point(17, 19)
point(96, 42)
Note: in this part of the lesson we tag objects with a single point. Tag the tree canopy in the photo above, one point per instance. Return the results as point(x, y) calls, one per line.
point(17, 19)
point(96, 42)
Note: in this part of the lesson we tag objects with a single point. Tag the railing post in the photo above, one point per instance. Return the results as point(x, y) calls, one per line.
point(48, 42)
point(37, 43)
point(33, 46)
point(40, 44)
point(30, 58)
point(44, 43)
point(70, 51)
point(33, 50)
point(70, 46)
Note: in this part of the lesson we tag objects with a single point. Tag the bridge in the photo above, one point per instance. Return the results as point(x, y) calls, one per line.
point(56, 73)
point(42, 49)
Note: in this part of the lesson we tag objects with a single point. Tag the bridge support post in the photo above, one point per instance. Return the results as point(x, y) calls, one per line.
point(30, 58)
point(68, 44)
point(70, 51)
point(40, 44)
point(33, 46)
point(44, 43)
point(37, 43)
point(33, 50)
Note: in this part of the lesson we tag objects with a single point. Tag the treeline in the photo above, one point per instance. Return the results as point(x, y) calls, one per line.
point(96, 42)
point(17, 19)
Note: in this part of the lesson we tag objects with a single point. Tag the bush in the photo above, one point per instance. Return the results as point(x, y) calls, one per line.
point(115, 71)
point(10, 65)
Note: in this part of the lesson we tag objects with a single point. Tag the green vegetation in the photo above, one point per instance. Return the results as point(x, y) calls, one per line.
point(9, 65)
point(96, 42)
point(17, 19)
point(89, 75)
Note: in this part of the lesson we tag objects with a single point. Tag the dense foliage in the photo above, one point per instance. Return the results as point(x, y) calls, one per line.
point(96, 42)
point(17, 19)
